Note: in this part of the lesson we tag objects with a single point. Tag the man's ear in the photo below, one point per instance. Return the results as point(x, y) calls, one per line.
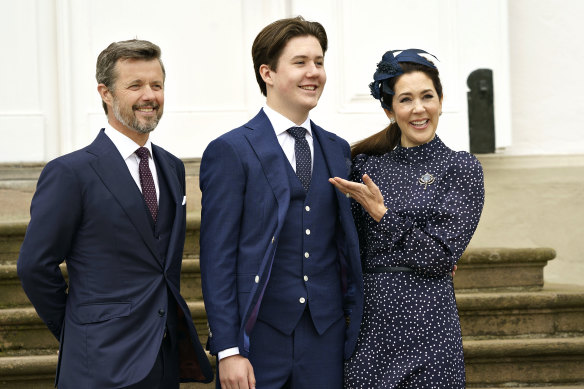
point(266, 74)
point(105, 93)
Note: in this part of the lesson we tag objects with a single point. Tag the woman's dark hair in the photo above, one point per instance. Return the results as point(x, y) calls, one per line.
point(386, 140)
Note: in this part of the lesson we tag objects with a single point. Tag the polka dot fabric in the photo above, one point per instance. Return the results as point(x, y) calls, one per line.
point(147, 182)
point(410, 334)
point(302, 154)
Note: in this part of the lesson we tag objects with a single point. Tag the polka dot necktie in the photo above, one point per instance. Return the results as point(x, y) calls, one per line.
point(147, 182)
point(303, 158)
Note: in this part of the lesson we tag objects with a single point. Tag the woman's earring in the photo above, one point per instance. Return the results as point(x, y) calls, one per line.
point(391, 121)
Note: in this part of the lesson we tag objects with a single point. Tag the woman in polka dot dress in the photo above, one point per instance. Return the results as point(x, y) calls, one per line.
point(417, 205)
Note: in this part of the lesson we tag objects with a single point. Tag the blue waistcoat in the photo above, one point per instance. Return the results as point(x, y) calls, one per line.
point(306, 272)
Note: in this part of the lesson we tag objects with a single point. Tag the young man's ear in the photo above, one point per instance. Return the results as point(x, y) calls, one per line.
point(266, 74)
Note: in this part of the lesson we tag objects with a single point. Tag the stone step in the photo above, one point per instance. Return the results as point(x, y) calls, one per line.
point(12, 235)
point(12, 294)
point(556, 310)
point(479, 269)
point(489, 363)
point(38, 372)
point(484, 269)
point(21, 329)
point(549, 361)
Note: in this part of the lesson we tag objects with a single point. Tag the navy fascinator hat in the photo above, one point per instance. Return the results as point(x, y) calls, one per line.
point(389, 68)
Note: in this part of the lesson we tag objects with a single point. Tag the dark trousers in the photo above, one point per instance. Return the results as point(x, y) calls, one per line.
point(165, 372)
point(302, 360)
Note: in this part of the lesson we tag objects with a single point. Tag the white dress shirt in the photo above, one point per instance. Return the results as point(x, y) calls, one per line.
point(281, 124)
point(127, 148)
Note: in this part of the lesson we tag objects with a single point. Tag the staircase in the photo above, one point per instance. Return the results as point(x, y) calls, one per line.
point(28, 351)
point(516, 331)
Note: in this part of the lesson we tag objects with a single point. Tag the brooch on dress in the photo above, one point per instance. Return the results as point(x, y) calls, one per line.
point(426, 180)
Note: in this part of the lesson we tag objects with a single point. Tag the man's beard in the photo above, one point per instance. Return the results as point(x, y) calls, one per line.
point(129, 119)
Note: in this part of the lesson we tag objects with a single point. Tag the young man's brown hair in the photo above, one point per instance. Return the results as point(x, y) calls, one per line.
point(270, 42)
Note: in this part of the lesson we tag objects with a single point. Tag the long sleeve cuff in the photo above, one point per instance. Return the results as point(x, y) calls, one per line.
point(228, 352)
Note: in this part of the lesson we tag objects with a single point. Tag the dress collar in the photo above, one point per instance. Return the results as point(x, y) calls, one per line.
point(420, 153)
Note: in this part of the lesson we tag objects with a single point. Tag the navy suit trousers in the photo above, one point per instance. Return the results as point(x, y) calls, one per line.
point(302, 360)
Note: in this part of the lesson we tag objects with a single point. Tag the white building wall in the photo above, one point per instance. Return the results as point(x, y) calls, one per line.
point(49, 104)
point(547, 79)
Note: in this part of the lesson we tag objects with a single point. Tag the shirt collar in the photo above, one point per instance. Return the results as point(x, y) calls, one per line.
point(125, 145)
point(282, 123)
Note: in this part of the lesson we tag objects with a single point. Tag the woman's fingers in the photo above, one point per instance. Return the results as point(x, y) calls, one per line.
point(344, 186)
point(370, 184)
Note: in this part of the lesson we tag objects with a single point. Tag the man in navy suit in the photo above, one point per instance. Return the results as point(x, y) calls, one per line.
point(279, 254)
point(114, 211)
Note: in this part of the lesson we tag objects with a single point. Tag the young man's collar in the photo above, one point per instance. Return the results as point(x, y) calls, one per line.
point(282, 123)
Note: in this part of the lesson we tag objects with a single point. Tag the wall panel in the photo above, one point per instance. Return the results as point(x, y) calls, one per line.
point(210, 84)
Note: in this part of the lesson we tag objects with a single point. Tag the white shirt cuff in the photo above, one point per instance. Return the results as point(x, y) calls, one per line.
point(228, 352)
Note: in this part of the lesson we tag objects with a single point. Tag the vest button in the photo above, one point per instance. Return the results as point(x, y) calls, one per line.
point(306, 255)
point(161, 312)
point(307, 231)
point(307, 208)
point(305, 278)
point(302, 300)
point(273, 239)
point(257, 279)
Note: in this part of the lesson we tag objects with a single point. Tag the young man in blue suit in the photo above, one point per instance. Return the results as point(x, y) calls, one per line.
point(115, 212)
point(279, 254)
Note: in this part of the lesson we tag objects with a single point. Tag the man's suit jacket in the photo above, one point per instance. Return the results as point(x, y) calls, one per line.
point(111, 317)
point(245, 200)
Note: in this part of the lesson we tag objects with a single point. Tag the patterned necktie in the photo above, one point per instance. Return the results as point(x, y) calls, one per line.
point(147, 182)
point(303, 158)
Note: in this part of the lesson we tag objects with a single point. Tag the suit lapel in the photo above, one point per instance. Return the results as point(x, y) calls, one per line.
point(169, 173)
point(114, 173)
point(262, 139)
point(338, 165)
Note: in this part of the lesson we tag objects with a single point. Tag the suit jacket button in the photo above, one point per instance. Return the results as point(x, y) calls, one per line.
point(273, 239)
point(161, 312)
point(302, 300)
point(257, 279)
